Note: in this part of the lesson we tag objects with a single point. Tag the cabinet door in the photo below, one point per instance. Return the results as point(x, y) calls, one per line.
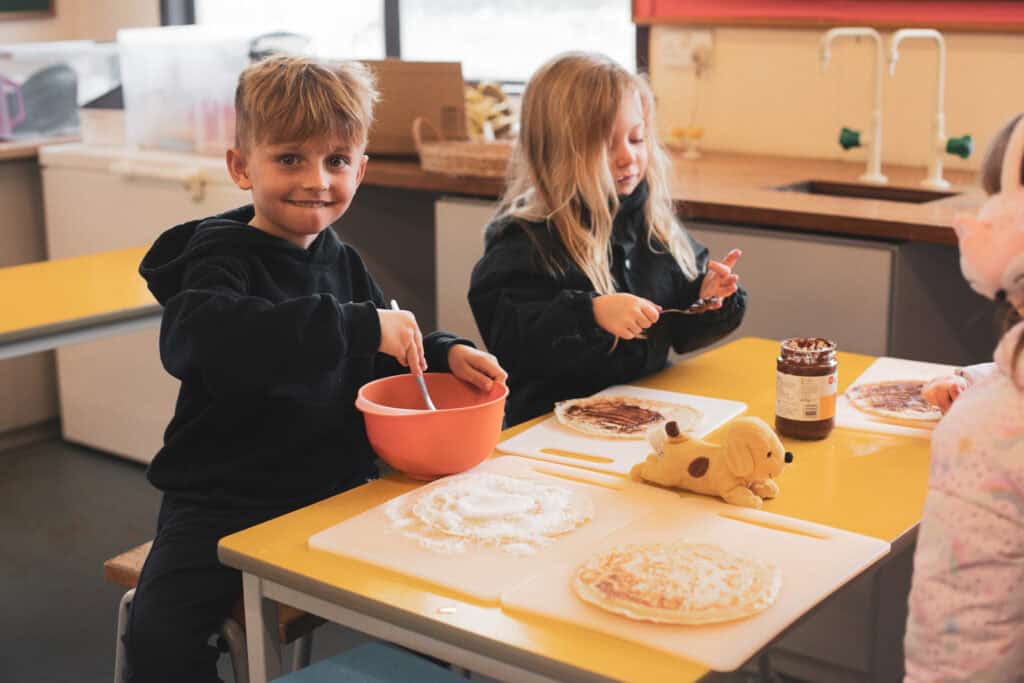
point(89, 211)
point(809, 285)
point(29, 388)
point(114, 393)
point(460, 244)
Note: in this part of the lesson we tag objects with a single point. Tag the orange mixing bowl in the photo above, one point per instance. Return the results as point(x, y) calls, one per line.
point(431, 443)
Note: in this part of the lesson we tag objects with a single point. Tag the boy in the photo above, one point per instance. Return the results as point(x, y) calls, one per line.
point(272, 324)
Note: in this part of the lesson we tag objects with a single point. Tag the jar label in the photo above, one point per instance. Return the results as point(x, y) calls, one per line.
point(806, 399)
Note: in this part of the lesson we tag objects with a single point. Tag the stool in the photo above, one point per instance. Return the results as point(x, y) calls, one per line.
point(373, 662)
point(293, 624)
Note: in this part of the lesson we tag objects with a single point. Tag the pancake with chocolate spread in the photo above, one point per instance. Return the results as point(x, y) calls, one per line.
point(623, 417)
point(897, 401)
point(678, 583)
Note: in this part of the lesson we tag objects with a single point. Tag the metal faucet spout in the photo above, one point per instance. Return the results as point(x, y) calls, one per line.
point(873, 173)
point(938, 133)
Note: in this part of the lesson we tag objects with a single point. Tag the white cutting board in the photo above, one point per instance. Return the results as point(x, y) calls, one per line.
point(813, 567)
point(613, 455)
point(483, 572)
point(886, 369)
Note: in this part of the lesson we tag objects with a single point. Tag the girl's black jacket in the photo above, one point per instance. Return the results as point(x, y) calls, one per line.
point(541, 325)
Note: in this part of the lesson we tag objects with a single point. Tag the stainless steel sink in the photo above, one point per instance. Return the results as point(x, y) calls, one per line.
point(884, 192)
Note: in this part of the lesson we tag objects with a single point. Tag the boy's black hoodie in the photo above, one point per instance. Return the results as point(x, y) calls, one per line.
point(271, 343)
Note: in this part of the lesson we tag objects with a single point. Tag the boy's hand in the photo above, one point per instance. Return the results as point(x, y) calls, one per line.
point(942, 391)
point(474, 366)
point(720, 282)
point(625, 315)
point(401, 338)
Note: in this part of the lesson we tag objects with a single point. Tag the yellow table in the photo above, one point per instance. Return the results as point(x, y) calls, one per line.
point(861, 482)
point(51, 303)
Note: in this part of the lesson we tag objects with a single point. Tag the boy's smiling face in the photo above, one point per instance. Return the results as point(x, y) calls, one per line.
point(298, 188)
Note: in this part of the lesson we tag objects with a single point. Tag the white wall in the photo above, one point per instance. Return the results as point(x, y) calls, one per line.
point(83, 20)
point(764, 92)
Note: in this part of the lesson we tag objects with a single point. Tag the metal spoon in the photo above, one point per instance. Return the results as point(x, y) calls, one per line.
point(699, 306)
point(418, 375)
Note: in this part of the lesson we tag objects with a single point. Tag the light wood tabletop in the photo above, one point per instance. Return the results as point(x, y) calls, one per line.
point(50, 303)
point(861, 482)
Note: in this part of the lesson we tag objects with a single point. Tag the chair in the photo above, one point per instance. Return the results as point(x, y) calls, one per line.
point(294, 625)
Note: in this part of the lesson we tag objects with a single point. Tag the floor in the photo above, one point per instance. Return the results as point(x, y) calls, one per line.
point(64, 509)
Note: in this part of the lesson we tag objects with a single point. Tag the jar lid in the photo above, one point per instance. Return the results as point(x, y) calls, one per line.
point(808, 345)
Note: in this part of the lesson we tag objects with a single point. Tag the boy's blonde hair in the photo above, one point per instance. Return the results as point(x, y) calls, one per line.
point(559, 170)
point(289, 99)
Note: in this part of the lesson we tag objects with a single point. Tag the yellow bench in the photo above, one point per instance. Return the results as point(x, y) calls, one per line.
point(74, 299)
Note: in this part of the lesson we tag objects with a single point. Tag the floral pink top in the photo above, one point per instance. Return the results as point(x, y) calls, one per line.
point(966, 619)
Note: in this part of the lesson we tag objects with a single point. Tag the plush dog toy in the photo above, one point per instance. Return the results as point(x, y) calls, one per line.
point(741, 470)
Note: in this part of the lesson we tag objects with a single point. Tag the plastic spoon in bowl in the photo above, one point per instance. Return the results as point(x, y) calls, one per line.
point(418, 375)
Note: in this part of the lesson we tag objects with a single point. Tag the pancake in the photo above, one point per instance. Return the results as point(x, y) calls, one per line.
point(678, 583)
point(898, 401)
point(517, 514)
point(623, 417)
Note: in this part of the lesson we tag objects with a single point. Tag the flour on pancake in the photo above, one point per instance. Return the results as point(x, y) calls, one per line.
point(515, 514)
point(678, 583)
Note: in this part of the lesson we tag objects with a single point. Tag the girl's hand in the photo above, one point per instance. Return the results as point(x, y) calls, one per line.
point(474, 366)
point(942, 391)
point(624, 315)
point(401, 338)
point(720, 282)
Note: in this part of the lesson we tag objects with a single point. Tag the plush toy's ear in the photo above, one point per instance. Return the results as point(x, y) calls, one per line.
point(739, 458)
point(656, 437)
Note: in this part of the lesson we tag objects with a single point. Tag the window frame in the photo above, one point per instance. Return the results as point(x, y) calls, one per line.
point(178, 12)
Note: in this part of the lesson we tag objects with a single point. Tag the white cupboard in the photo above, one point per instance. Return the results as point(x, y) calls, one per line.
point(460, 243)
point(114, 393)
point(28, 390)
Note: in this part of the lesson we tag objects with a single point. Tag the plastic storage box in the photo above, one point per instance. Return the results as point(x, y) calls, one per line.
point(179, 85)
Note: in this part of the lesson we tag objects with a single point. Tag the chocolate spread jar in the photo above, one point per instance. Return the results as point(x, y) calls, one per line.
point(807, 374)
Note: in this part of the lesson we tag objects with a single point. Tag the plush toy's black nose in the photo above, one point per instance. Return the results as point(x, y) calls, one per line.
point(1000, 295)
point(789, 457)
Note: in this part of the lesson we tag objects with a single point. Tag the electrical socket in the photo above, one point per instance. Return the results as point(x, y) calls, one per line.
point(686, 49)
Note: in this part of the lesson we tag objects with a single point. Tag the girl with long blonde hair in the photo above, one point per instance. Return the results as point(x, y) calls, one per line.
point(585, 250)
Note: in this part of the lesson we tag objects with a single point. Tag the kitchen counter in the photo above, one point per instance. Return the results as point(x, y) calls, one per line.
point(28, 149)
point(737, 188)
point(721, 187)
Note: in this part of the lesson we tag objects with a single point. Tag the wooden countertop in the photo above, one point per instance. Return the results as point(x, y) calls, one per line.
point(738, 188)
point(725, 187)
point(28, 149)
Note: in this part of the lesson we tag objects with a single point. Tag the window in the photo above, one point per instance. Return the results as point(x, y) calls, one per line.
point(508, 39)
point(338, 29)
point(495, 40)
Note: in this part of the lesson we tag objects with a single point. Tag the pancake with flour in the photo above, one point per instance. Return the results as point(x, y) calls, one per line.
point(498, 509)
point(678, 583)
point(623, 417)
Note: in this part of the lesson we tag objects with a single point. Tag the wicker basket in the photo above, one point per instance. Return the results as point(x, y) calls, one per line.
point(460, 157)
